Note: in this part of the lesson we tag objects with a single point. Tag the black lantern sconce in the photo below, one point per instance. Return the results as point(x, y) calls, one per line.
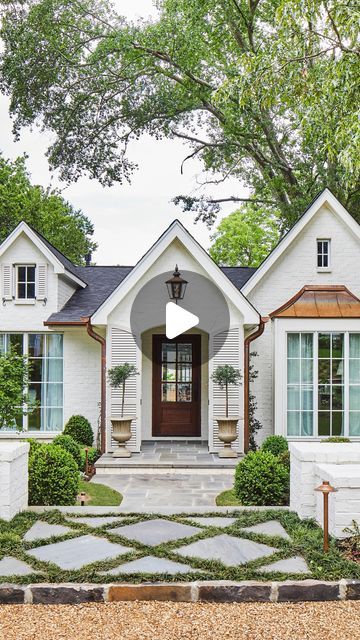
point(176, 286)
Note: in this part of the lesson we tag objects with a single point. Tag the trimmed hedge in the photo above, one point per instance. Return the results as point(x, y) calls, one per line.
point(261, 479)
point(69, 444)
point(80, 429)
point(53, 476)
point(275, 444)
point(93, 455)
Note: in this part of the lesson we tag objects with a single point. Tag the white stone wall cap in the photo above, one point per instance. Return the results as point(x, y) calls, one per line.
point(326, 451)
point(340, 475)
point(11, 450)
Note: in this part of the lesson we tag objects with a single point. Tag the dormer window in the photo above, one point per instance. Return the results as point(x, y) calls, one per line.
point(25, 282)
point(323, 254)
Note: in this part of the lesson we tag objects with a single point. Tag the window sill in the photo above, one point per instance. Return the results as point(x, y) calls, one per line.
point(39, 435)
point(24, 301)
point(323, 270)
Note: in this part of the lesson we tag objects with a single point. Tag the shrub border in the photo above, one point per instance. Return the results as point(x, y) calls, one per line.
point(207, 591)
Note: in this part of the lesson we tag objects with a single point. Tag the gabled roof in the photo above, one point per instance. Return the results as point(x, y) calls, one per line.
point(324, 198)
point(60, 263)
point(320, 301)
point(177, 231)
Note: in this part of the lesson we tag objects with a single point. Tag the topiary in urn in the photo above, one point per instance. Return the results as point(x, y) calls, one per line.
point(117, 377)
point(225, 376)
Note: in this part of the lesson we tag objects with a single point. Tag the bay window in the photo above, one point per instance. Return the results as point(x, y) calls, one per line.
point(45, 354)
point(323, 384)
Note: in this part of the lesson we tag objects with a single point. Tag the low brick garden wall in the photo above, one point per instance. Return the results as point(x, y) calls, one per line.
point(214, 591)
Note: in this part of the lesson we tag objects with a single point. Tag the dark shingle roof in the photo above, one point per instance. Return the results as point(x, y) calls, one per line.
point(102, 281)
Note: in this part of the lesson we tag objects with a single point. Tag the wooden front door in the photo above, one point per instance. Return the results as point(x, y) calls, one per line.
point(176, 386)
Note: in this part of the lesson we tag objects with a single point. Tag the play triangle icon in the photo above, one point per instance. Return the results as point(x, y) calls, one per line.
point(178, 320)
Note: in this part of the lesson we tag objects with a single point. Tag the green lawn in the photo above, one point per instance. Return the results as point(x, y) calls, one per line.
point(227, 499)
point(100, 495)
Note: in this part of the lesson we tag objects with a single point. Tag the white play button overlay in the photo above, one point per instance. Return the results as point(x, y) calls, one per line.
point(178, 320)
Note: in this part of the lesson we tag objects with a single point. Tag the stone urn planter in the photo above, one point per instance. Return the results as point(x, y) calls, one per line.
point(121, 424)
point(225, 375)
point(227, 434)
point(121, 432)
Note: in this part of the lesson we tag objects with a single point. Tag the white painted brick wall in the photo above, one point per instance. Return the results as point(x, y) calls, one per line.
point(13, 478)
point(65, 291)
point(344, 505)
point(305, 458)
point(296, 268)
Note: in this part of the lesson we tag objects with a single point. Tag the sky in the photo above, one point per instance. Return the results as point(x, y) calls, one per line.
point(127, 218)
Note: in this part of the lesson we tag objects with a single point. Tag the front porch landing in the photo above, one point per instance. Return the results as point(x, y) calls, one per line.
point(166, 456)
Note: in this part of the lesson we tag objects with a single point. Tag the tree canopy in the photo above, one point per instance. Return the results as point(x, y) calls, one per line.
point(245, 237)
point(264, 91)
point(69, 230)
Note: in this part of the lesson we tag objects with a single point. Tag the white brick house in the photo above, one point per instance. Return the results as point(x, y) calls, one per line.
point(301, 305)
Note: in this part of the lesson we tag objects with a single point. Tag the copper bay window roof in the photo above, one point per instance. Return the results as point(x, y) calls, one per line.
point(320, 301)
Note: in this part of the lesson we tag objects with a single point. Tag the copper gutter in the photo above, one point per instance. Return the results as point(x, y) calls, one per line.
point(247, 342)
point(102, 341)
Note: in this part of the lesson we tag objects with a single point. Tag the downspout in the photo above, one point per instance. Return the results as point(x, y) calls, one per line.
point(259, 331)
point(102, 341)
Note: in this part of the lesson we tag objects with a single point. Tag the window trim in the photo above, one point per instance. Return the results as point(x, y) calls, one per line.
point(323, 269)
point(24, 300)
point(25, 421)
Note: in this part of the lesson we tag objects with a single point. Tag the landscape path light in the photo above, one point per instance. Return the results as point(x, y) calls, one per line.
point(325, 488)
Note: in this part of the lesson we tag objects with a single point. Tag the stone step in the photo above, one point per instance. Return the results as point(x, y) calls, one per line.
point(109, 465)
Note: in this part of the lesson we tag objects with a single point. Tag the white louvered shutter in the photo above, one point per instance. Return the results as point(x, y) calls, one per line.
point(7, 281)
point(41, 290)
point(124, 349)
point(226, 347)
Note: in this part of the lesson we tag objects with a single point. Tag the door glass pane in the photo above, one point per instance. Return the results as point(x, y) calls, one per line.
point(337, 371)
point(337, 345)
point(354, 339)
point(293, 345)
point(337, 423)
point(324, 345)
point(34, 420)
point(54, 419)
point(354, 397)
point(169, 372)
point(184, 372)
point(184, 352)
point(16, 341)
point(306, 345)
point(293, 397)
point(168, 392)
point(184, 393)
point(37, 369)
point(293, 423)
point(36, 345)
point(324, 371)
point(354, 370)
point(306, 371)
point(307, 398)
point(54, 395)
point(337, 397)
point(54, 370)
point(324, 397)
point(168, 352)
point(293, 371)
point(354, 423)
point(54, 345)
point(2, 343)
point(324, 423)
point(306, 423)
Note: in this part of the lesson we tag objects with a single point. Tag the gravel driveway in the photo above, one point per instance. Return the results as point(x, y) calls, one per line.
point(172, 621)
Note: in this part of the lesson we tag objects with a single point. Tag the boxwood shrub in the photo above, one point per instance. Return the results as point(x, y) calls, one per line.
point(93, 455)
point(69, 444)
point(261, 479)
point(80, 429)
point(53, 476)
point(275, 444)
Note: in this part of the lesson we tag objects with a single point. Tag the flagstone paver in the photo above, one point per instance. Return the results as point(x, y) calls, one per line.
point(150, 564)
point(213, 521)
point(228, 549)
point(93, 521)
point(154, 532)
point(42, 530)
point(13, 567)
point(296, 564)
point(78, 552)
point(269, 528)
